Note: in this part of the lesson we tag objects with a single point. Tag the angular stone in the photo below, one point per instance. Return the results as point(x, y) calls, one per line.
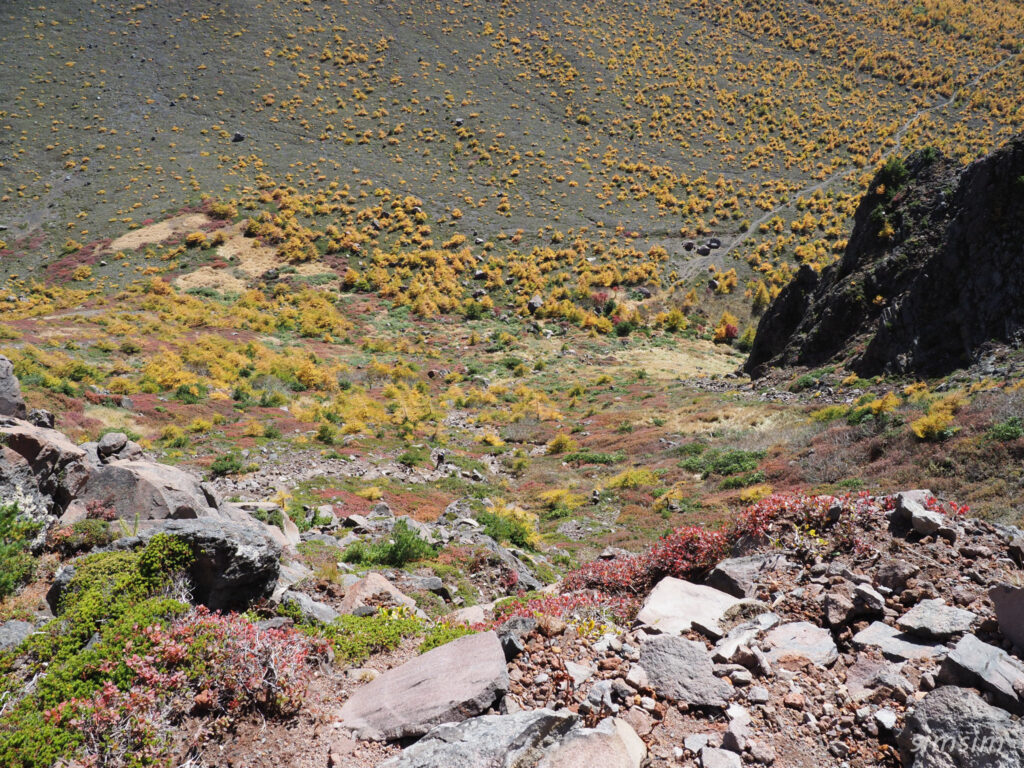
point(935, 620)
point(681, 670)
point(838, 609)
point(719, 758)
point(895, 574)
point(491, 741)
point(14, 633)
point(895, 644)
point(743, 635)
point(111, 443)
point(11, 401)
point(972, 662)
point(799, 642)
point(612, 744)
point(955, 728)
point(867, 678)
point(309, 608)
point(458, 680)
point(867, 601)
point(739, 576)
point(674, 605)
point(42, 463)
point(375, 591)
point(1009, 602)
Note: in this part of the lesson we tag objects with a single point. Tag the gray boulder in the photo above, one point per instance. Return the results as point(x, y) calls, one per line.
point(518, 740)
point(895, 644)
point(235, 564)
point(11, 401)
point(512, 635)
point(612, 744)
point(41, 464)
point(148, 491)
point(934, 619)
point(954, 728)
point(974, 663)
point(309, 608)
point(681, 670)
point(14, 633)
point(459, 680)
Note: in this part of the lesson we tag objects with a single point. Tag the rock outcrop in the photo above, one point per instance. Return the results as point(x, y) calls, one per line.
point(933, 271)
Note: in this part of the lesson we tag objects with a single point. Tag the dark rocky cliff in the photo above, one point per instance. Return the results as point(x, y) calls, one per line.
point(934, 270)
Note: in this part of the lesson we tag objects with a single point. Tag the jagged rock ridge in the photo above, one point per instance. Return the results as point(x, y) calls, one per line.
point(934, 270)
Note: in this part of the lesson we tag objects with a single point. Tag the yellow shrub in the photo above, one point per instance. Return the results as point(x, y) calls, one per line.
point(253, 429)
point(371, 493)
point(632, 478)
point(489, 438)
point(200, 425)
point(937, 424)
point(562, 444)
point(886, 404)
point(195, 239)
point(755, 493)
point(561, 497)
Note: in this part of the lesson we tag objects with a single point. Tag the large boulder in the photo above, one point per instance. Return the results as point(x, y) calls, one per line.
point(954, 728)
point(148, 491)
point(972, 662)
point(681, 670)
point(234, 565)
point(459, 680)
point(518, 740)
point(11, 401)
point(40, 464)
point(674, 606)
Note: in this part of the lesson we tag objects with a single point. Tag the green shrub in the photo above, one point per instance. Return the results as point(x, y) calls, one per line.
point(88, 645)
point(412, 457)
point(404, 546)
point(1006, 431)
point(355, 638)
point(226, 464)
point(742, 481)
point(191, 394)
point(442, 634)
point(502, 528)
point(16, 562)
point(722, 462)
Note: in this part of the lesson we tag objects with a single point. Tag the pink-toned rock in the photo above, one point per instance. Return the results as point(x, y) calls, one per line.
point(374, 591)
point(612, 744)
point(459, 680)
